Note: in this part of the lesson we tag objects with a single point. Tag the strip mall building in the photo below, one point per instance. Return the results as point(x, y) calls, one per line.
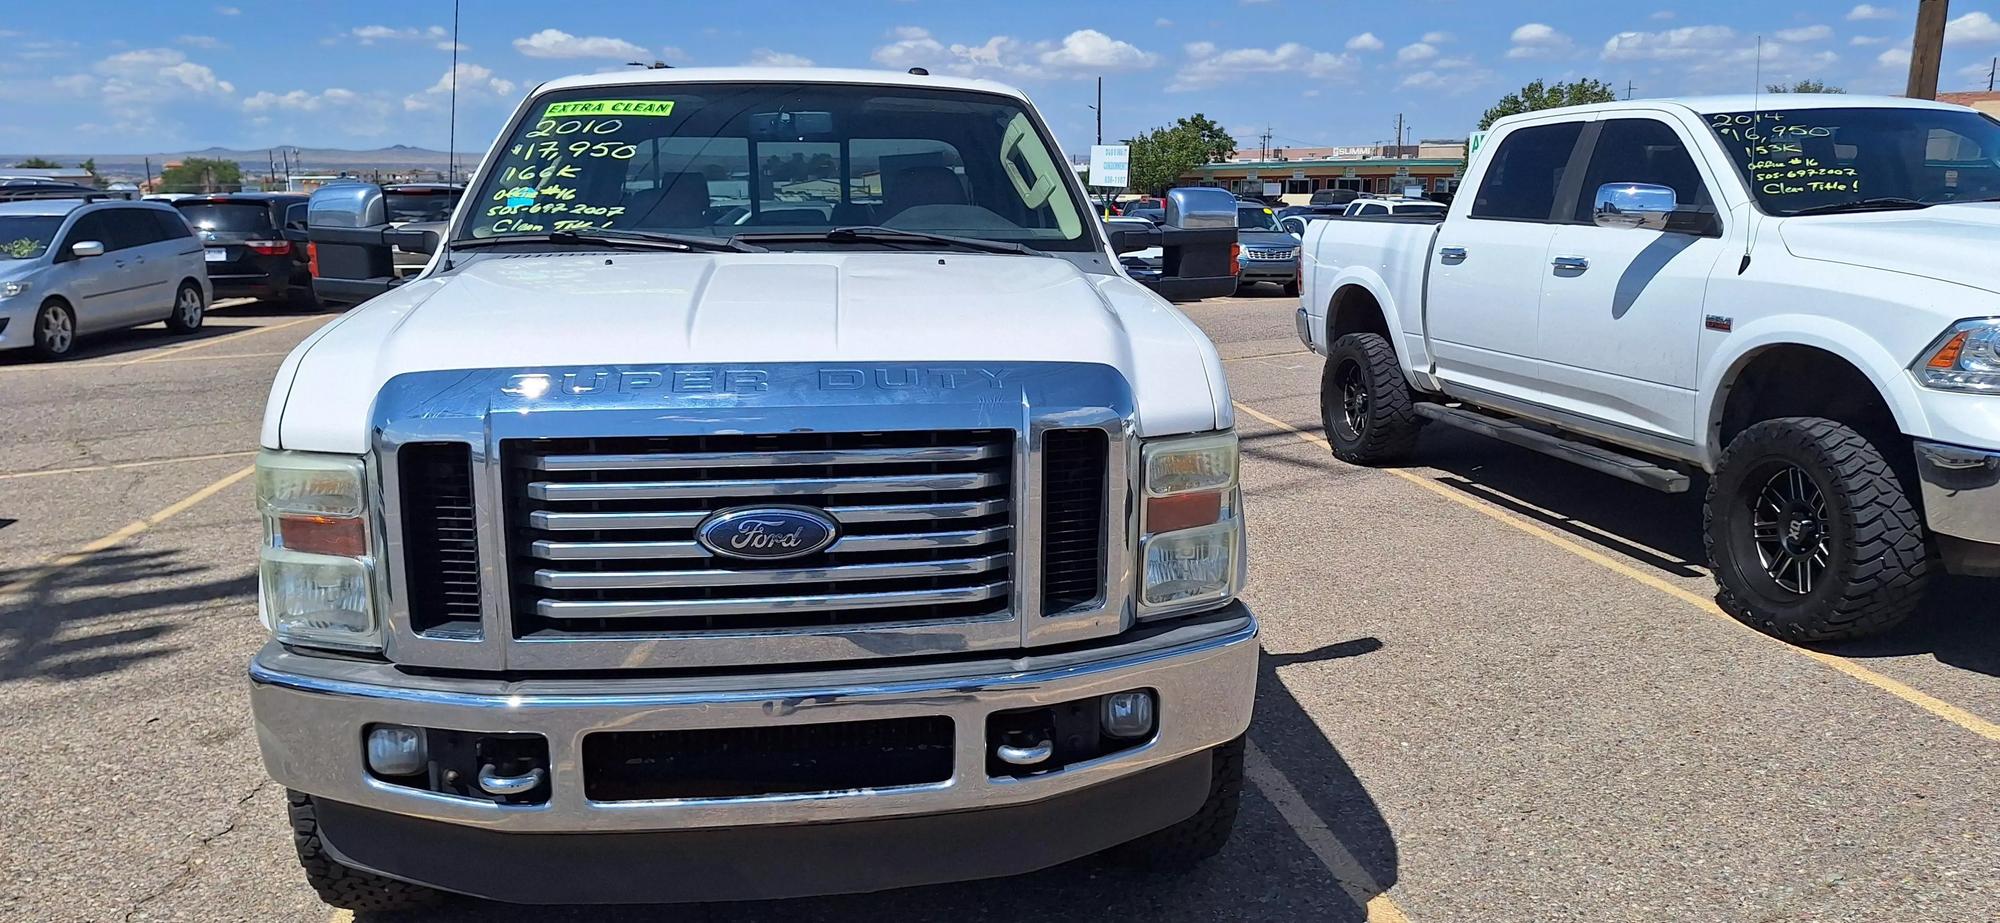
point(1294, 174)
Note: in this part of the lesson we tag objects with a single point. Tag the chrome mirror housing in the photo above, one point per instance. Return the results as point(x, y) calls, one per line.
point(1633, 205)
point(84, 248)
point(1193, 208)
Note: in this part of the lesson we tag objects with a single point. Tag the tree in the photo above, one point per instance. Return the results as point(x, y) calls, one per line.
point(39, 163)
point(1538, 95)
point(1162, 156)
point(1803, 86)
point(89, 165)
point(201, 174)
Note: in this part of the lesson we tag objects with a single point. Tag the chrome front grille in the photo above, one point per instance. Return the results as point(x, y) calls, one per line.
point(1289, 254)
point(601, 532)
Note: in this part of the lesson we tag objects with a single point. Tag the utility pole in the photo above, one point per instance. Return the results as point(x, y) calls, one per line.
point(1099, 109)
point(1399, 135)
point(1927, 48)
point(1628, 90)
point(1265, 140)
point(1992, 73)
point(149, 172)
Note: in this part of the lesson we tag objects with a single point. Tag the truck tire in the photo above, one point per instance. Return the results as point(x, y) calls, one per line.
point(1197, 839)
point(1811, 535)
point(343, 886)
point(1365, 402)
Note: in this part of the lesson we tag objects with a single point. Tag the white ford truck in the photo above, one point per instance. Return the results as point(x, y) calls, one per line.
point(774, 486)
point(1794, 295)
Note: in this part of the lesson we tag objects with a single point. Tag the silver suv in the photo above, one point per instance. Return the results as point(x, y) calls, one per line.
point(69, 267)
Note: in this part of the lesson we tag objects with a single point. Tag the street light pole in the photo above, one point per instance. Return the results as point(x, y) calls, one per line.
point(1927, 48)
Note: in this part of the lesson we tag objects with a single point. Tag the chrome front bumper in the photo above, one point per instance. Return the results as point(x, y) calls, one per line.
point(1961, 490)
point(310, 713)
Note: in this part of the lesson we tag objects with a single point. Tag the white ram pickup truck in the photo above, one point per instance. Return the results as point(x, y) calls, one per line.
point(774, 487)
point(1794, 295)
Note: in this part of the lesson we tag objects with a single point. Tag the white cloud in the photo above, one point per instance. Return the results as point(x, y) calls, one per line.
point(1416, 52)
point(228, 11)
point(1663, 16)
point(199, 41)
point(1972, 27)
point(1684, 42)
point(1207, 65)
point(449, 45)
point(1083, 53)
point(474, 81)
point(1537, 40)
point(1817, 33)
point(1437, 38)
point(765, 57)
point(1894, 57)
point(1452, 82)
point(298, 100)
point(1366, 41)
point(369, 35)
point(1862, 41)
point(1163, 23)
point(555, 43)
point(157, 75)
point(1870, 11)
point(1716, 58)
point(1089, 49)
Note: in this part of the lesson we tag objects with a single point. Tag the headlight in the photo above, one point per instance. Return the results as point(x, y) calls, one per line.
point(316, 576)
point(10, 289)
point(1966, 358)
point(1191, 524)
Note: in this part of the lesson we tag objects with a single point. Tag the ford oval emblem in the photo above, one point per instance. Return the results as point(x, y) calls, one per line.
point(767, 533)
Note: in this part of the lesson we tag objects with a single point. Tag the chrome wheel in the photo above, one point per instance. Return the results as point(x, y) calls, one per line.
point(58, 330)
point(188, 308)
point(1788, 524)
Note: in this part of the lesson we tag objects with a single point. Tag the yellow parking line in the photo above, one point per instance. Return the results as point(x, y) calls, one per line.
point(1306, 824)
point(120, 466)
point(1923, 700)
point(32, 576)
point(341, 916)
point(1289, 352)
point(203, 344)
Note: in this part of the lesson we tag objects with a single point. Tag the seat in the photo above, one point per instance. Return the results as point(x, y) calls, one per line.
point(678, 202)
point(852, 214)
point(927, 185)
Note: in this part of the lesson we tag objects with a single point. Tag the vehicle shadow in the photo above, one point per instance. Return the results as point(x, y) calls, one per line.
point(1957, 624)
point(1266, 873)
point(114, 344)
point(46, 627)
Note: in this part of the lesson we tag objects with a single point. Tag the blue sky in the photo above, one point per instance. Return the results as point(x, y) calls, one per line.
point(94, 76)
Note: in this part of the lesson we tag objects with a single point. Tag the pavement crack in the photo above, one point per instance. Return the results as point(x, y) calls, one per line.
point(187, 869)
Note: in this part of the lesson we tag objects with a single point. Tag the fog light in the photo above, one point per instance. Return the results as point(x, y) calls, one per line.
point(394, 750)
point(1128, 714)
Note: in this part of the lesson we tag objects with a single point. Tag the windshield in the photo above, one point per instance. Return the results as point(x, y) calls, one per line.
point(25, 237)
point(419, 204)
point(1255, 218)
point(241, 217)
point(726, 159)
point(1419, 209)
point(1797, 159)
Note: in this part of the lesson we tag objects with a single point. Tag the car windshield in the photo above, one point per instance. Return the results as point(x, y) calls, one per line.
point(419, 204)
point(241, 217)
point(1427, 209)
point(1826, 159)
point(727, 159)
point(25, 237)
point(1255, 218)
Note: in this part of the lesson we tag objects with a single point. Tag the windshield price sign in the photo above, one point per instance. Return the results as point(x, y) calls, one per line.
point(1110, 165)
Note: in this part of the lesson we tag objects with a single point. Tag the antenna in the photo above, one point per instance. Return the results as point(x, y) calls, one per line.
point(1755, 135)
point(451, 140)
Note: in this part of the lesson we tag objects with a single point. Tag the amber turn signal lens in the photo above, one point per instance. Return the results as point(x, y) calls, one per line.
point(1182, 511)
point(1947, 356)
point(335, 535)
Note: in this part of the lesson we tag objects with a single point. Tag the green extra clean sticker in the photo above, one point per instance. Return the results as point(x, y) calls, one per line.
point(659, 107)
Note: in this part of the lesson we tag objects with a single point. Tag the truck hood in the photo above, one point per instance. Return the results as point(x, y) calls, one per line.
point(1954, 243)
point(541, 310)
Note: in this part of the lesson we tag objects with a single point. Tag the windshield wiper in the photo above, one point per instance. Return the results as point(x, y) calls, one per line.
point(613, 237)
point(1879, 203)
point(877, 234)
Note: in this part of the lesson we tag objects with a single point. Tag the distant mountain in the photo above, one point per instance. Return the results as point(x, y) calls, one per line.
point(401, 157)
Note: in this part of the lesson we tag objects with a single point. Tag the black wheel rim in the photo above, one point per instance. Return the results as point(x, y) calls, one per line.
point(1354, 398)
point(1789, 529)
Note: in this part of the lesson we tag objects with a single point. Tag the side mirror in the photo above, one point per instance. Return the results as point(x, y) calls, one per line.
point(1132, 237)
point(1640, 206)
point(295, 223)
point(1197, 245)
point(415, 240)
point(87, 248)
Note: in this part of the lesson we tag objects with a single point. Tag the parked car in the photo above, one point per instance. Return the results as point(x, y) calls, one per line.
point(923, 548)
point(1376, 208)
point(248, 253)
point(1793, 296)
point(419, 206)
point(71, 267)
point(1334, 197)
point(22, 188)
point(1266, 253)
point(1292, 218)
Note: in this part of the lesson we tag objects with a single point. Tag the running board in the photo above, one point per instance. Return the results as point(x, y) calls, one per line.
point(1596, 458)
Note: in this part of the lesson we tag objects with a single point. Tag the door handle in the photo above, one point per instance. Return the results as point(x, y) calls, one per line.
point(1573, 263)
point(1452, 255)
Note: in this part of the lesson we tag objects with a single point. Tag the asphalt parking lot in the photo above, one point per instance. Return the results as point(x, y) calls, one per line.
point(1493, 687)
